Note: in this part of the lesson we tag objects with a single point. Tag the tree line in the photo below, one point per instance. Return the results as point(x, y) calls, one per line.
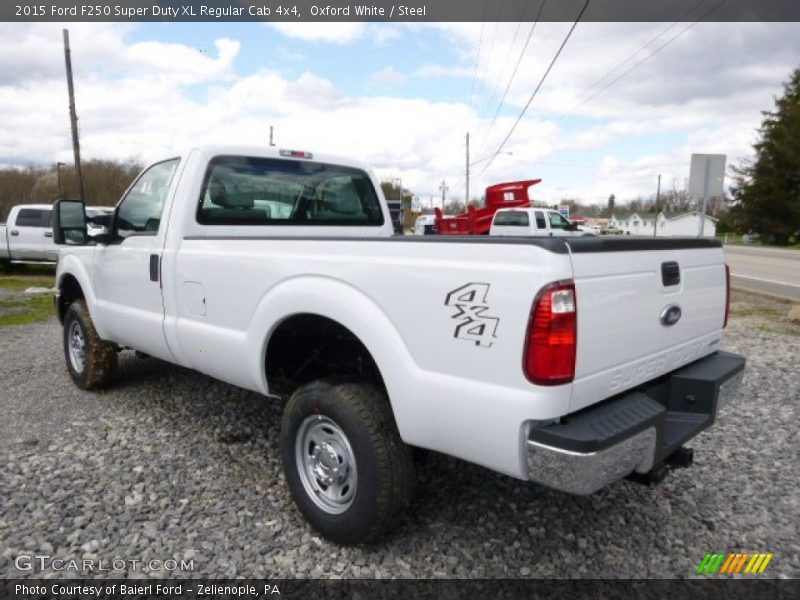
point(104, 183)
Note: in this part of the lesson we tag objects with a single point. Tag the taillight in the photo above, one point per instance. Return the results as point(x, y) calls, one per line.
point(727, 295)
point(552, 337)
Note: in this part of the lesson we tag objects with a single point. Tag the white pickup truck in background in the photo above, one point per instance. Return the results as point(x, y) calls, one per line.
point(533, 221)
point(27, 235)
point(568, 361)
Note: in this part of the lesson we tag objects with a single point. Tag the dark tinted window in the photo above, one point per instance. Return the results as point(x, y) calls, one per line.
point(540, 222)
point(33, 217)
point(241, 190)
point(512, 217)
point(140, 210)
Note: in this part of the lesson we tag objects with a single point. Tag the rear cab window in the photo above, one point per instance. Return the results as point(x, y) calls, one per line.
point(540, 221)
point(243, 190)
point(33, 217)
point(513, 218)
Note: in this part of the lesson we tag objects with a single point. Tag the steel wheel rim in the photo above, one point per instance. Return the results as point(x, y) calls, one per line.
point(76, 344)
point(326, 464)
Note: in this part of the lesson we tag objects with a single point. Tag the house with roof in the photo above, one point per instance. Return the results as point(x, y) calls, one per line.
point(662, 224)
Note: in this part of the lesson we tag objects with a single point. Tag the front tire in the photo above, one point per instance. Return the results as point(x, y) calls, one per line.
point(349, 472)
point(91, 361)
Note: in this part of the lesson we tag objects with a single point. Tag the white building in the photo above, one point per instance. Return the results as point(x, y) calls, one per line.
point(663, 224)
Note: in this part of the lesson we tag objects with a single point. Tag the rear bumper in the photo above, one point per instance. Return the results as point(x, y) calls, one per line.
point(633, 432)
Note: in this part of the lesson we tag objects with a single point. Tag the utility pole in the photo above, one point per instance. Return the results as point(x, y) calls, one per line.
point(73, 117)
point(658, 206)
point(271, 143)
point(444, 188)
point(467, 186)
point(60, 187)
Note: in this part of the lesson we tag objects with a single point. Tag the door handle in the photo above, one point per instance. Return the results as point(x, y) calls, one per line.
point(48, 234)
point(15, 233)
point(154, 264)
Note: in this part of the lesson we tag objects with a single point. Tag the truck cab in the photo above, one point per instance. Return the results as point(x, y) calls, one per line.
point(532, 221)
point(27, 236)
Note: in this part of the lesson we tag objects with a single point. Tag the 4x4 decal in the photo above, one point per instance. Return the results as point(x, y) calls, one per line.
point(474, 325)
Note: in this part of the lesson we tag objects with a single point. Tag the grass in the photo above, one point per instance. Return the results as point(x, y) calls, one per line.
point(16, 283)
point(764, 314)
point(26, 308)
point(18, 308)
point(753, 310)
point(735, 239)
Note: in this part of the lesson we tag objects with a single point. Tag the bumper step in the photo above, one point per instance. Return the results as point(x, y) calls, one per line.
point(640, 432)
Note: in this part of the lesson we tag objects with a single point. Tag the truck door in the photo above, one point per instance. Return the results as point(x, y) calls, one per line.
point(541, 223)
point(26, 236)
point(49, 248)
point(559, 226)
point(127, 271)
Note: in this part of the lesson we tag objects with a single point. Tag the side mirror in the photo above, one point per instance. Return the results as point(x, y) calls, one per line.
point(69, 223)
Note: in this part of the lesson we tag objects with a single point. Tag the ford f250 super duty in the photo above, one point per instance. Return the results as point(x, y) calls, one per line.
point(571, 362)
point(27, 236)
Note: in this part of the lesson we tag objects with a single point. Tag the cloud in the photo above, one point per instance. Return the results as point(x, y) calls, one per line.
point(383, 33)
point(183, 63)
point(335, 33)
point(34, 52)
point(702, 93)
point(387, 77)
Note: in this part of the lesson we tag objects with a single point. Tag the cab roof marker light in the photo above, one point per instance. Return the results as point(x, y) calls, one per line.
point(296, 154)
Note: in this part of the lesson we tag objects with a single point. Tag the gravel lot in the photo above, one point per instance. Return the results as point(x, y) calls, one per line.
point(171, 464)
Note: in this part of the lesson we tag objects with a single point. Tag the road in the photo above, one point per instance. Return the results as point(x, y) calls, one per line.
point(768, 270)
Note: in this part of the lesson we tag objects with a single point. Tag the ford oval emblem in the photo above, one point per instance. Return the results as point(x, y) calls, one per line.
point(670, 315)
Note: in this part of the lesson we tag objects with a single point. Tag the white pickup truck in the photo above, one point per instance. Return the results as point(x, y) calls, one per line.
point(571, 362)
point(533, 221)
point(27, 236)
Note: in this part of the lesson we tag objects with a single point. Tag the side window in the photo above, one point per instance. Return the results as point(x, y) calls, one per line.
point(540, 222)
point(33, 217)
point(512, 218)
point(243, 190)
point(140, 210)
point(557, 221)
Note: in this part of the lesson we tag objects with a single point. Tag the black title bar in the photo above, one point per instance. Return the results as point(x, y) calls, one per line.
point(418, 589)
point(293, 11)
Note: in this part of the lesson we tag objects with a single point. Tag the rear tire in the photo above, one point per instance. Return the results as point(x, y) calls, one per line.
point(349, 472)
point(91, 361)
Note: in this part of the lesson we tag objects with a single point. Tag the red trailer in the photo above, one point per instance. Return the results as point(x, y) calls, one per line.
point(477, 221)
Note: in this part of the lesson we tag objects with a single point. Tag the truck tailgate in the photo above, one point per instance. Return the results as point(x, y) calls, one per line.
point(645, 308)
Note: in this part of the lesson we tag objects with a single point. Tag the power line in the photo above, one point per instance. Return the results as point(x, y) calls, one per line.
point(641, 62)
point(626, 60)
point(491, 50)
point(514, 73)
point(508, 54)
point(478, 54)
point(538, 87)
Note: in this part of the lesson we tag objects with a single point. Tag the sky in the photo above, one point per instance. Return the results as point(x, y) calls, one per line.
point(623, 104)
